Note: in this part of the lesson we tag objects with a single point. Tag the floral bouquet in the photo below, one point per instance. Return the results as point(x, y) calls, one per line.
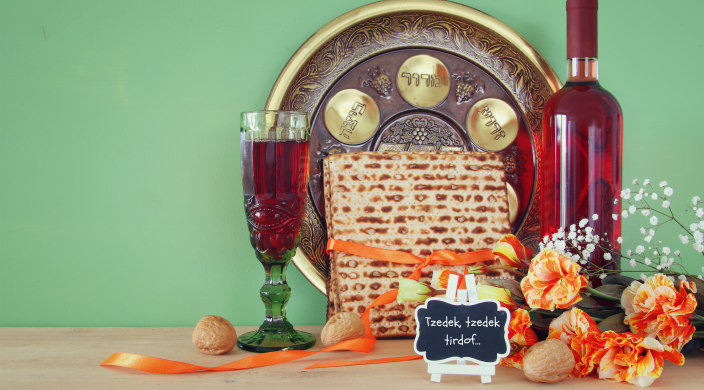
point(621, 330)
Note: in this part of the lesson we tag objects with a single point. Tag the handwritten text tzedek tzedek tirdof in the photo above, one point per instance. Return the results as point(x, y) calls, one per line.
point(468, 323)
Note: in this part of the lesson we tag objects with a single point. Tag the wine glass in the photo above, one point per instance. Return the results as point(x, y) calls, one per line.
point(274, 148)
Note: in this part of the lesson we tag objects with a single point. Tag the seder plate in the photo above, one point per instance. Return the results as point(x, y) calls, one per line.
point(417, 76)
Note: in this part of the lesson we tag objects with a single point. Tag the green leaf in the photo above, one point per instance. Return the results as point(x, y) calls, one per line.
point(615, 323)
point(611, 290)
point(587, 302)
point(619, 279)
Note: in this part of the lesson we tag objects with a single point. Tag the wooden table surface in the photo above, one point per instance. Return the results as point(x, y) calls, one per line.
point(69, 358)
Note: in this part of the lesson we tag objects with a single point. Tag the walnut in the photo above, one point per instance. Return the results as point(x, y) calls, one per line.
point(548, 361)
point(214, 335)
point(341, 327)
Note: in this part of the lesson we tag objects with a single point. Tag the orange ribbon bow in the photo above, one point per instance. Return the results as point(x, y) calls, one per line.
point(364, 344)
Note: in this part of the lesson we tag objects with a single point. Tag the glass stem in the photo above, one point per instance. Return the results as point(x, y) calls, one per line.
point(275, 293)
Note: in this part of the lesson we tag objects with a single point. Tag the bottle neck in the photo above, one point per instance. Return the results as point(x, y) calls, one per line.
point(580, 70)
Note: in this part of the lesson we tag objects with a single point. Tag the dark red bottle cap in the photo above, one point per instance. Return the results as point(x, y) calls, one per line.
point(582, 28)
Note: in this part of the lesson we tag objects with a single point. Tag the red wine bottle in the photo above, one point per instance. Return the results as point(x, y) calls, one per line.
point(582, 143)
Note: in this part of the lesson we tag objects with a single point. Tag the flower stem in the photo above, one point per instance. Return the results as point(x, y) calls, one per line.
point(601, 295)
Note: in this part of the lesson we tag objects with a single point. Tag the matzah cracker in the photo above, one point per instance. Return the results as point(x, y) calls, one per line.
point(413, 202)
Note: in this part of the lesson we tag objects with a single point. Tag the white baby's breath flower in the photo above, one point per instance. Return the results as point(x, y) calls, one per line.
point(541, 246)
point(663, 184)
point(645, 212)
point(654, 220)
point(684, 239)
point(643, 231)
point(624, 214)
point(590, 247)
point(626, 193)
point(699, 247)
point(619, 240)
point(652, 233)
point(666, 250)
point(647, 261)
point(646, 182)
point(677, 253)
point(546, 239)
point(700, 212)
point(659, 267)
point(595, 217)
point(607, 256)
point(654, 196)
point(585, 254)
point(693, 227)
point(614, 217)
point(632, 209)
point(668, 191)
point(637, 197)
point(698, 236)
point(576, 257)
point(635, 182)
point(648, 238)
point(666, 204)
point(572, 235)
point(629, 253)
point(560, 246)
point(602, 276)
point(643, 277)
point(682, 277)
point(589, 230)
point(632, 263)
point(701, 225)
point(583, 222)
point(696, 200)
point(550, 245)
point(640, 249)
point(580, 238)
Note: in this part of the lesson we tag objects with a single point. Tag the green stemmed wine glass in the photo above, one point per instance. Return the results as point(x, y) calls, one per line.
point(274, 148)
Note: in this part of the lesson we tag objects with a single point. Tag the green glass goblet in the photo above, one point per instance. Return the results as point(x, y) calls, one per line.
point(274, 148)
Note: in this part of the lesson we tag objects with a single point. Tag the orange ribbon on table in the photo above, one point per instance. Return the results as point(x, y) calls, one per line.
point(364, 344)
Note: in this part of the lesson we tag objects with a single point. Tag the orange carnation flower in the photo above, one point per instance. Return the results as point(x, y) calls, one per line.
point(656, 308)
point(515, 360)
point(626, 357)
point(553, 280)
point(578, 331)
point(521, 336)
point(519, 329)
point(571, 324)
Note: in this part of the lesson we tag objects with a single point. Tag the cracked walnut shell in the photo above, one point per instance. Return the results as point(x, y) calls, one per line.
point(214, 335)
point(548, 361)
point(340, 327)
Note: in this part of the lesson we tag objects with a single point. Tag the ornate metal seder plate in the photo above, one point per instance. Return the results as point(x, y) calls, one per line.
point(417, 76)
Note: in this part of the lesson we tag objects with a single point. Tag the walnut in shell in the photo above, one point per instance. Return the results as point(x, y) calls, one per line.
point(548, 361)
point(340, 327)
point(214, 335)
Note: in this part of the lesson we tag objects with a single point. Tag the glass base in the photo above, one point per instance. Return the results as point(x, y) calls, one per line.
point(267, 341)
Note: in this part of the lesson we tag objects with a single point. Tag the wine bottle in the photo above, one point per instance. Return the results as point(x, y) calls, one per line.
point(582, 144)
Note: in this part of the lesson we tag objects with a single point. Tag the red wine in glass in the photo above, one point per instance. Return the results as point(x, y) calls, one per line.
point(274, 149)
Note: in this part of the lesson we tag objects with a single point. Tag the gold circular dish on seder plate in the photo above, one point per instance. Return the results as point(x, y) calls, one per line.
point(417, 75)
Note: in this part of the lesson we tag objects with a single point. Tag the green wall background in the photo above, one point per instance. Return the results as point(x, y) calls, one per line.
point(120, 194)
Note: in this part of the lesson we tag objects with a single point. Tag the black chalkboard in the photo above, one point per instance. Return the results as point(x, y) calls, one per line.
point(476, 331)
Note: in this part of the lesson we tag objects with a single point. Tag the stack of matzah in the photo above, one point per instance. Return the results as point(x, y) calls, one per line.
point(413, 202)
